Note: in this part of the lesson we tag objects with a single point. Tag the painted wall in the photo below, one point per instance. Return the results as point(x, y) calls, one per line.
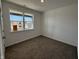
point(1, 45)
point(0, 35)
point(61, 24)
point(1, 40)
point(15, 37)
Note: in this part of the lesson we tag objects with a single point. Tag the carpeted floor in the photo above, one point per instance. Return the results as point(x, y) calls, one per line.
point(41, 48)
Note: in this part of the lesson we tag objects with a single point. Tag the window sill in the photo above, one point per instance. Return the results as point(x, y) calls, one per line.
point(22, 30)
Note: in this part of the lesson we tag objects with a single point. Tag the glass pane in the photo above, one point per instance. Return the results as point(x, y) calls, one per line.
point(28, 22)
point(28, 25)
point(28, 18)
point(16, 18)
point(16, 22)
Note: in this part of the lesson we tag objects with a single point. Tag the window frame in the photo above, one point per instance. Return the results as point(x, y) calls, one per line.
point(23, 14)
point(32, 21)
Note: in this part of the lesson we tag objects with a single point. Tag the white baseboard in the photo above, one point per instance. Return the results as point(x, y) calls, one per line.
point(55, 38)
point(36, 36)
point(21, 40)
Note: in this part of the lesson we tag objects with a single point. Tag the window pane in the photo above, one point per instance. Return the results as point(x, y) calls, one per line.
point(16, 18)
point(28, 25)
point(28, 22)
point(16, 22)
point(28, 18)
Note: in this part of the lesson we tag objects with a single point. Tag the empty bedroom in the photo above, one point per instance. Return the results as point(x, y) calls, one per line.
point(40, 29)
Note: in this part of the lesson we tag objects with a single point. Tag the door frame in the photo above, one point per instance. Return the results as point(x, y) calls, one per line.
point(2, 34)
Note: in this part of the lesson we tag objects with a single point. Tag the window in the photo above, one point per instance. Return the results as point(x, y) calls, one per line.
point(20, 21)
point(28, 22)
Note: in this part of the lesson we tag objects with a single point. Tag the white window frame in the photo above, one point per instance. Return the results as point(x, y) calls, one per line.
point(23, 13)
point(32, 20)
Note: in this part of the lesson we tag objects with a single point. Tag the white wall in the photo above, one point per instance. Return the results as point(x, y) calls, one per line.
point(1, 40)
point(61, 24)
point(0, 36)
point(1, 45)
point(12, 38)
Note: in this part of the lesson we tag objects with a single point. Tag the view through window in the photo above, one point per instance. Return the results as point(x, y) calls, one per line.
point(20, 21)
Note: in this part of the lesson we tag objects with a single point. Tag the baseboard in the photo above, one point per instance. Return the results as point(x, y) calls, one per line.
point(14, 43)
point(59, 41)
point(37, 36)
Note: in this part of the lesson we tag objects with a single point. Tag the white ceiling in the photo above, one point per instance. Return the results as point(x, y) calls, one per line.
point(47, 5)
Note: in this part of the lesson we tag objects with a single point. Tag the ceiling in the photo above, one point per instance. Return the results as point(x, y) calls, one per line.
point(47, 5)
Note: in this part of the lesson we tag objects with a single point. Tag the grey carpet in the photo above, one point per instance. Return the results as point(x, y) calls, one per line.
point(41, 48)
